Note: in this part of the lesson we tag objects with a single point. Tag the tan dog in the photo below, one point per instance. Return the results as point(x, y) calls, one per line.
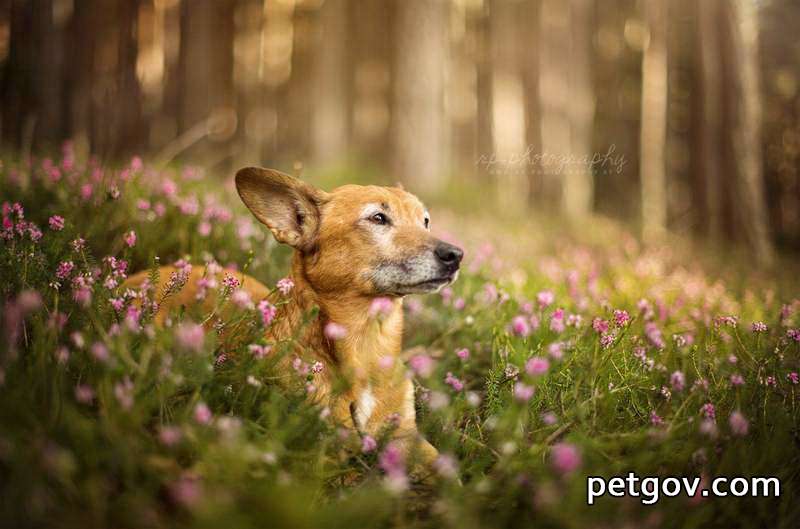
point(352, 245)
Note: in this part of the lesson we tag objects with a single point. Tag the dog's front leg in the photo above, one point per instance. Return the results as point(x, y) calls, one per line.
point(392, 406)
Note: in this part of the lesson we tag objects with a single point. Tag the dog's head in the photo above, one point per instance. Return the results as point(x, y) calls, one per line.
point(370, 240)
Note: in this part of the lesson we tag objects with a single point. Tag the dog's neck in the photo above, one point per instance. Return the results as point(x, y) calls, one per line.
point(372, 342)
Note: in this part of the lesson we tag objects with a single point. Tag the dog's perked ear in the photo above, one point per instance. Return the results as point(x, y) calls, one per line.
point(289, 207)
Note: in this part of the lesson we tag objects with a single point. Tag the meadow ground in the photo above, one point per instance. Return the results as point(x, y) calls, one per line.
point(554, 357)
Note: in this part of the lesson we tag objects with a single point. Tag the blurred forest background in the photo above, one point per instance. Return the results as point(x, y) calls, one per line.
point(677, 116)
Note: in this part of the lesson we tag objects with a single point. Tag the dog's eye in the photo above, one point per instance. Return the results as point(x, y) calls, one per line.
point(427, 223)
point(379, 218)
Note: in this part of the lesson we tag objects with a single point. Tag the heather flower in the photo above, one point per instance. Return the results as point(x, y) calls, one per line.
point(56, 222)
point(285, 285)
point(99, 351)
point(653, 334)
point(368, 444)
point(655, 419)
point(463, 353)
point(793, 334)
point(317, 367)
point(446, 466)
point(117, 303)
point(130, 239)
point(453, 382)
point(607, 340)
point(392, 462)
point(621, 318)
point(230, 282)
point(600, 325)
point(565, 458)
point(123, 391)
point(737, 380)
point(793, 377)
point(459, 304)
point(268, 312)
point(545, 298)
point(678, 381)
point(537, 366)
point(381, 307)
point(709, 411)
point(169, 435)
point(556, 350)
point(241, 298)
point(557, 321)
point(84, 394)
point(422, 365)
point(738, 423)
point(259, 351)
point(574, 320)
point(334, 331)
point(64, 269)
point(190, 336)
point(759, 326)
point(549, 418)
point(771, 381)
point(520, 326)
point(202, 414)
point(523, 392)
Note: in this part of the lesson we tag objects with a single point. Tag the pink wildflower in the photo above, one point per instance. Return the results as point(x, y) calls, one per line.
point(463, 353)
point(520, 326)
point(268, 312)
point(600, 325)
point(381, 307)
point(84, 394)
point(202, 414)
point(545, 298)
point(565, 458)
point(737, 380)
point(285, 285)
point(655, 419)
point(422, 365)
point(523, 392)
point(537, 366)
point(56, 222)
point(64, 269)
point(738, 423)
point(334, 331)
point(793, 377)
point(453, 382)
point(759, 326)
point(677, 381)
point(99, 351)
point(709, 411)
point(621, 318)
point(169, 435)
point(557, 321)
point(130, 239)
point(190, 336)
point(368, 444)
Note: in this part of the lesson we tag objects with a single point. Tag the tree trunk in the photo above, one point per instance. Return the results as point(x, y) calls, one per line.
point(206, 72)
point(530, 77)
point(653, 135)
point(578, 193)
point(741, 21)
point(32, 77)
point(330, 131)
point(710, 133)
point(567, 105)
point(419, 143)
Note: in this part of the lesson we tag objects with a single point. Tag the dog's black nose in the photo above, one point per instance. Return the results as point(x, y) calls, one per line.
point(449, 255)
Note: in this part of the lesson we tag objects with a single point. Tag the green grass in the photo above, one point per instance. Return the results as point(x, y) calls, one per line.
point(269, 459)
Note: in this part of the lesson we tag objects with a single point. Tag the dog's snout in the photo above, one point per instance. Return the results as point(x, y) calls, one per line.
point(449, 255)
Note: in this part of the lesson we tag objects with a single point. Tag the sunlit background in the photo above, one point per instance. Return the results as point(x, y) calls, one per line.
point(674, 116)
